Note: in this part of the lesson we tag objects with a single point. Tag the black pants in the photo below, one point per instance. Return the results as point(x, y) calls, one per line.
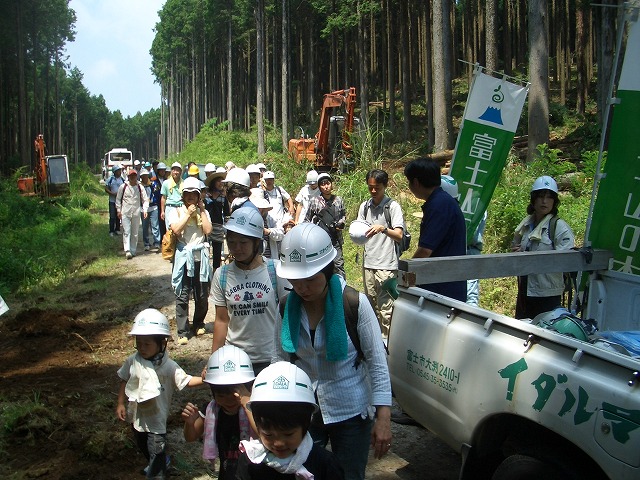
point(153, 447)
point(529, 307)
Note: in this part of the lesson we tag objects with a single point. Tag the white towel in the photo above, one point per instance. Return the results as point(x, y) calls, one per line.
point(143, 383)
point(257, 453)
point(536, 233)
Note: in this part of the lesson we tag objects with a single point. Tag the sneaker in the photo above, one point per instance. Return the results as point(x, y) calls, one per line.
point(146, 248)
point(128, 255)
point(117, 232)
point(200, 331)
point(183, 341)
point(112, 234)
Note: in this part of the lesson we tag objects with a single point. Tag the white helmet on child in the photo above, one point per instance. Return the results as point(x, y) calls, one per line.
point(282, 382)
point(150, 322)
point(449, 185)
point(239, 176)
point(229, 365)
point(191, 184)
point(545, 182)
point(358, 231)
point(246, 221)
point(305, 250)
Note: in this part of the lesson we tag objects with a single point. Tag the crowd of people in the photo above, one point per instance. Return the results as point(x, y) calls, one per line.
point(290, 337)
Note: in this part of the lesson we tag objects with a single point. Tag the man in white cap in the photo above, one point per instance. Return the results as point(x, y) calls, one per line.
point(171, 192)
point(305, 195)
point(273, 233)
point(277, 196)
point(254, 175)
point(131, 200)
point(137, 165)
point(209, 169)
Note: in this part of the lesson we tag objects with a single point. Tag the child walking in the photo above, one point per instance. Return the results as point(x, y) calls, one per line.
point(226, 420)
point(282, 403)
point(148, 379)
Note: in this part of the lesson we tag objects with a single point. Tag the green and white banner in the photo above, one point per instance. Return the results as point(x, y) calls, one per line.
point(490, 121)
point(615, 224)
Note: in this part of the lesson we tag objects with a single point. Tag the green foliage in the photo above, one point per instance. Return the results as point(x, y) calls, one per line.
point(43, 240)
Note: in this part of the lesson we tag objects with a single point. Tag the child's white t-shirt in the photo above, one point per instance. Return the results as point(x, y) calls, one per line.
point(151, 416)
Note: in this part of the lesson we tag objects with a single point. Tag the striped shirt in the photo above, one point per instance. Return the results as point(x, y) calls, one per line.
point(342, 390)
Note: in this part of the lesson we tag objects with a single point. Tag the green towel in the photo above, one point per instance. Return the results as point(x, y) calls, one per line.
point(335, 326)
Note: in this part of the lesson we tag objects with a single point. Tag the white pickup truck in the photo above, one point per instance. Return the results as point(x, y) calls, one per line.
point(516, 400)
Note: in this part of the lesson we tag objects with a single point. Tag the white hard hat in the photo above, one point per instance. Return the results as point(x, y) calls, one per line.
point(144, 171)
point(257, 198)
point(229, 165)
point(176, 165)
point(136, 162)
point(221, 170)
point(268, 174)
point(161, 166)
point(252, 168)
point(150, 322)
point(312, 176)
point(305, 250)
point(358, 230)
point(246, 221)
point(191, 184)
point(209, 167)
point(449, 185)
point(545, 183)
point(261, 166)
point(239, 176)
point(229, 365)
point(324, 176)
point(282, 382)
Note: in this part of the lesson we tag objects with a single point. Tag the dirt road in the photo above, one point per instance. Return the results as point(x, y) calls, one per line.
point(60, 351)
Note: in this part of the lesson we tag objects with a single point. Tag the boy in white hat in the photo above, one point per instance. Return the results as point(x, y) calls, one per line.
point(148, 379)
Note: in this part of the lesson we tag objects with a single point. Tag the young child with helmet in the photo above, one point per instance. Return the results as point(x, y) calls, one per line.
point(244, 292)
point(148, 379)
point(191, 267)
point(226, 420)
point(541, 230)
point(282, 403)
point(312, 332)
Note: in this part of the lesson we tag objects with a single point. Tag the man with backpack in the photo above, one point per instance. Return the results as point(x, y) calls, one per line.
point(281, 202)
point(131, 200)
point(382, 249)
point(327, 211)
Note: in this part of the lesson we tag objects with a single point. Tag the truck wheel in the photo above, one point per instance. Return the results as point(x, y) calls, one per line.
point(522, 467)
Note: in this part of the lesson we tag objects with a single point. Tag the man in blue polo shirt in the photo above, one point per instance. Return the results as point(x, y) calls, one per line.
point(443, 230)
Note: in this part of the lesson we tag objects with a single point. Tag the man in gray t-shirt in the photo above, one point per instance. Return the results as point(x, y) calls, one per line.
point(380, 264)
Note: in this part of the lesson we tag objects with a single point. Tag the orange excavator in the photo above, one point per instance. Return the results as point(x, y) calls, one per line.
point(51, 173)
point(331, 148)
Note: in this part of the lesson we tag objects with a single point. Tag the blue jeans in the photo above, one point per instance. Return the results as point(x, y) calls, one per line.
point(350, 440)
point(151, 222)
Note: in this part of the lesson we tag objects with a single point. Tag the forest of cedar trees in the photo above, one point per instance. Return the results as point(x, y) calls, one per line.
point(265, 64)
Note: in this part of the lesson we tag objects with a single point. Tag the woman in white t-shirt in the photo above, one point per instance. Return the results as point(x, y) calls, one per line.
point(245, 291)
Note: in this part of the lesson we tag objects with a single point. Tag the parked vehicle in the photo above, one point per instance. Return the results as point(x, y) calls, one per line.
point(51, 173)
point(121, 156)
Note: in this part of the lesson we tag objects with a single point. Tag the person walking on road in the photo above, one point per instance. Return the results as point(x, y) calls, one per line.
point(131, 202)
point(111, 187)
point(191, 268)
point(171, 193)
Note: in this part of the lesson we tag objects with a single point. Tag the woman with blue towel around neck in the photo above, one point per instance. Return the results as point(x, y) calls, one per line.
point(315, 330)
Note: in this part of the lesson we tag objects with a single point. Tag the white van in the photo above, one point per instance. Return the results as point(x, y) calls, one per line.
point(121, 156)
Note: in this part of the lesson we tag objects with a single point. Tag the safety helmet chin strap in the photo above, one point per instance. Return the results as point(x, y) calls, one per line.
point(256, 251)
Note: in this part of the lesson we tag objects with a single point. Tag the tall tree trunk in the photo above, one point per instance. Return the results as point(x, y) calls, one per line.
point(442, 75)
point(539, 76)
point(230, 89)
point(363, 66)
point(491, 45)
point(260, 75)
point(428, 68)
point(391, 69)
point(24, 147)
point(605, 28)
point(582, 91)
point(285, 76)
point(507, 39)
point(406, 74)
